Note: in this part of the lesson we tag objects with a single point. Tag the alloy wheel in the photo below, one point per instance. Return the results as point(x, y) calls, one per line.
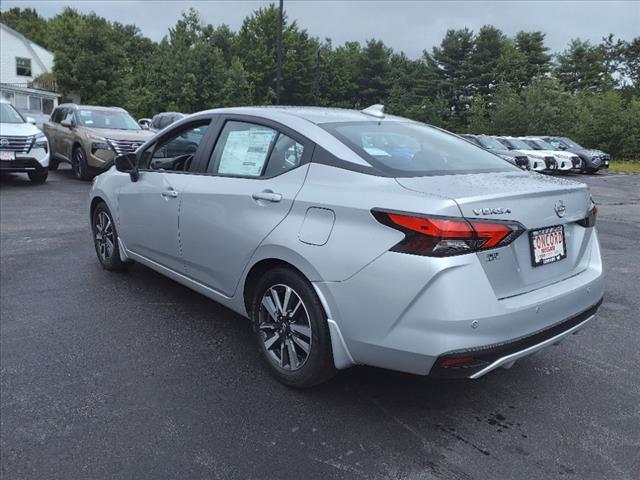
point(285, 327)
point(78, 157)
point(104, 236)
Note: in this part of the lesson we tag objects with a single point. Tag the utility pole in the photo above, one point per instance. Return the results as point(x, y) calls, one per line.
point(316, 83)
point(279, 54)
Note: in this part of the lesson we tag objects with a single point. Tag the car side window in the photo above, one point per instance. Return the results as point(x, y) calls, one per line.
point(175, 153)
point(58, 115)
point(69, 115)
point(248, 150)
point(286, 155)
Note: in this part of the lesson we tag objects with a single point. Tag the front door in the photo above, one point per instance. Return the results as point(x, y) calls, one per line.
point(148, 209)
point(64, 146)
point(252, 178)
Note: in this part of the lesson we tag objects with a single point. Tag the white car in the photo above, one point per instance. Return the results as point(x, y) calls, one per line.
point(23, 146)
point(538, 160)
point(566, 161)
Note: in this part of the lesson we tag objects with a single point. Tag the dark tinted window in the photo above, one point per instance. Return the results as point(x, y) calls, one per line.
point(57, 115)
point(165, 121)
point(414, 149)
point(175, 153)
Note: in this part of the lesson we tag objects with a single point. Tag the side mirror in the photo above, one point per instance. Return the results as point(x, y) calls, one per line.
point(66, 123)
point(31, 120)
point(144, 123)
point(128, 163)
point(562, 147)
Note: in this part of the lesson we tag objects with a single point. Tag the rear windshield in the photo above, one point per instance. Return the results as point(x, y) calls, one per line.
point(408, 149)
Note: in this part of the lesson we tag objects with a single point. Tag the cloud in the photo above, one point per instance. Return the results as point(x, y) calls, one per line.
point(409, 26)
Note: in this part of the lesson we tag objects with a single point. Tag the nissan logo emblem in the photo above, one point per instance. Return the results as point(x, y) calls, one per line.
point(560, 208)
point(4, 142)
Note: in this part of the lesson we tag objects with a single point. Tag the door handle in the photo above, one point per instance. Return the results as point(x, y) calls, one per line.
point(267, 196)
point(169, 193)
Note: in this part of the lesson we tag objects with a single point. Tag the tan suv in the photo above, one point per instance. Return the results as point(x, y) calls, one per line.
point(87, 137)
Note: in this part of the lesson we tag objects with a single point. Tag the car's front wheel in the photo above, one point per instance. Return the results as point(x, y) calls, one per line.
point(79, 164)
point(105, 239)
point(291, 329)
point(54, 163)
point(39, 176)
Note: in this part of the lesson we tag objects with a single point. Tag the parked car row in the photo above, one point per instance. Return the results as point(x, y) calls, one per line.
point(89, 137)
point(545, 154)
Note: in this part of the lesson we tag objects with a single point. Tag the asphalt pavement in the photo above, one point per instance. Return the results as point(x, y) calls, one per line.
point(133, 376)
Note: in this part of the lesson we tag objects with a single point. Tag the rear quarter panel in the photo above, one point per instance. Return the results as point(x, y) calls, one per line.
point(356, 238)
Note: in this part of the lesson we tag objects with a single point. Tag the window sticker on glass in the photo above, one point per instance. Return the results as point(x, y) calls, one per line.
point(245, 152)
point(377, 152)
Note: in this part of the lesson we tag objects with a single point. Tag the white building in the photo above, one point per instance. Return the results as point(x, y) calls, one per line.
point(21, 62)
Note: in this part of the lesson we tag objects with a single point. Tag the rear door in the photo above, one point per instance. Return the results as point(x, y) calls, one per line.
point(247, 188)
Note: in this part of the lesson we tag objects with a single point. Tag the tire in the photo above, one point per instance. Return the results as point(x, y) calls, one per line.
point(294, 340)
point(53, 163)
point(79, 164)
point(105, 239)
point(38, 176)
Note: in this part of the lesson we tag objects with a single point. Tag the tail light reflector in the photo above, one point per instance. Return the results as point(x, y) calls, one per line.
point(436, 236)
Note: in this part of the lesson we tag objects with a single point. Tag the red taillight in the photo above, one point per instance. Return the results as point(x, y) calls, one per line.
point(590, 219)
point(457, 362)
point(434, 227)
point(444, 236)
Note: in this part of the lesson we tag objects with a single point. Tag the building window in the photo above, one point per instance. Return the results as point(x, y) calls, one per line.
point(21, 102)
point(35, 104)
point(47, 105)
point(23, 67)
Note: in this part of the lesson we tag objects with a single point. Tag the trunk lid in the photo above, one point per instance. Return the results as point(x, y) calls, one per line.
point(529, 198)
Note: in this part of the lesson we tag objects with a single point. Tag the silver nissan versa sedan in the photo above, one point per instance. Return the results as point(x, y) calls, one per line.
point(353, 237)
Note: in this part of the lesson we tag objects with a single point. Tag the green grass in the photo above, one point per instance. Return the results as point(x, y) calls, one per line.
point(625, 166)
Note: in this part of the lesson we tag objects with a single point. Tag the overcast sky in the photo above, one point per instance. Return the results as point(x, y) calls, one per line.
point(410, 26)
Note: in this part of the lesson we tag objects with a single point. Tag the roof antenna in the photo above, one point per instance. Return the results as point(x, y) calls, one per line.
point(376, 111)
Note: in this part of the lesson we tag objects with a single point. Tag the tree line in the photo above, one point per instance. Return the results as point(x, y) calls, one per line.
point(479, 82)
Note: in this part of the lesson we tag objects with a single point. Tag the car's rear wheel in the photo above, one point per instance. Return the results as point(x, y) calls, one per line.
point(105, 239)
point(39, 176)
point(79, 164)
point(291, 329)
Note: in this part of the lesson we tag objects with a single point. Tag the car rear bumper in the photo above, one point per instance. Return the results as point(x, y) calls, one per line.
point(406, 313)
point(481, 360)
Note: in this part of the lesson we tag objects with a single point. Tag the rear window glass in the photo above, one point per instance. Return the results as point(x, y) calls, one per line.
point(413, 149)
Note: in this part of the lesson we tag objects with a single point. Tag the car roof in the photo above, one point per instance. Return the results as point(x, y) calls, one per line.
point(316, 115)
point(90, 107)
